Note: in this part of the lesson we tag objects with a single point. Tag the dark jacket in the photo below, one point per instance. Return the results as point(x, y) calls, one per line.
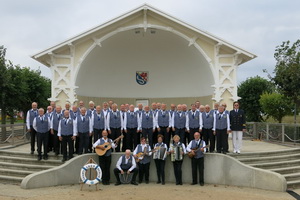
point(237, 120)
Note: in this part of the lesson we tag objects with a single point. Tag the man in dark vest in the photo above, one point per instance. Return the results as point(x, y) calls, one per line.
point(196, 146)
point(123, 113)
point(132, 134)
point(98, 123)
point(41, 124)
point(67, 135)
point(49, 114)
point(31, 114)
point(221, 130)
point(147, 124)
point(126, 164)
point(144, 161)
point(237, 126)
point(164, 123)
point(114, 124)
point(56, 117)
point(193, 122)
point(74, 113)
point(105, 160)
point(207, 125)
point(172, 111)
point(179, 123)
point(84, 130)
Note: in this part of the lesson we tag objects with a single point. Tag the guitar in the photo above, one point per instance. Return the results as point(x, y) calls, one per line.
point(140, 156)
point(191, 155)
point(106, 145)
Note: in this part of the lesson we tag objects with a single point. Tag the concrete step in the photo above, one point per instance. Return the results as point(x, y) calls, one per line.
point(15, 173)
point(29, 160)
point(10, 179)
point(51, 155)
point(27, 167)
point(266, 159)
point(293, 184)
point(286, 170)
point(280, 164)
point(292, 177)
point(265, 154)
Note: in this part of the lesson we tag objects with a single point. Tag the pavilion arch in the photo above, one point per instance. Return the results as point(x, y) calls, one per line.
point(218, 58)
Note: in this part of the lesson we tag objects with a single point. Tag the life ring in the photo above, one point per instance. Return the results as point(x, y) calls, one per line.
point(89, 166)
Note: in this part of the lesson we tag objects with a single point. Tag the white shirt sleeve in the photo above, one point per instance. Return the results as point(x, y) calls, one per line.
point(188, 148)
point(59, 128)
point(184, 148)
point(49, 123)
point(187, 122)
point(91, 125)
point(92, 120)
point(149, 149)
point(34, 124)
point(28, 119)
point(215, 121)
point(173, 118)
point(107, 121)
point(123, 121)
point(140, 121)
point(74, 127)
point(170, 120)
point(154, 121)
point(135, 150)
point(96, 143)
point(200, 121)
point(228, 123)
point(118, 165)
point(133, 165)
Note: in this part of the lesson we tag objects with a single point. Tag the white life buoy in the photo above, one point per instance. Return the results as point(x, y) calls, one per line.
point(89, 166)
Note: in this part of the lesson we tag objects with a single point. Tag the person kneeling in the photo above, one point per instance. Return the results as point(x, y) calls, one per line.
point(126, 164)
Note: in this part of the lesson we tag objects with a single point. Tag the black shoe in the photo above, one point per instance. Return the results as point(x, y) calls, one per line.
point(45, 157)
point(224, 152)
point(177, 183)
point(180, 183)
point(193, 183)
point(134, 183)
point(218, 151)
point(64, 160)
point(202, 184)
point(56, 154)
point(117, 183)
point(140, 182)
point(39, 158)
point(163, 183)
point(147, 182)
point(31, 152)
point(158, 182)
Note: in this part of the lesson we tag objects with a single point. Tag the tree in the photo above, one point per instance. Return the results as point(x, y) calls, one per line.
point(250, 91)
point(275, 105)
point(287, 71)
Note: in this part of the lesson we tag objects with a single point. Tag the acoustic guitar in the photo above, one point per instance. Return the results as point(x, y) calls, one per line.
point(140, 156)
point(191, 155)
point(106, 145)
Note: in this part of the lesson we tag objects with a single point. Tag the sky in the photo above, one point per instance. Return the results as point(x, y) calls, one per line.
point(258, 26)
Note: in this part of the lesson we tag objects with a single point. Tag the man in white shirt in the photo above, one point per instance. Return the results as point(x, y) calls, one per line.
point(126, 164)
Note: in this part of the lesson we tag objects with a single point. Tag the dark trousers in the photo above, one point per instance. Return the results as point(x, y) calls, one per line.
point(144, 170)
point(117, 171)
point(198, 163)
point(56, 142)
point(163, 131)
point(222, 140)
point(77, 141)
point(115, 133)
point(83, 142)
point(160, 169)
point(97, 134)
point(209, 138)
point(67, 141)
point(181, 133)
point(206, 134)
point(124, 141)
point(136, 139)
point(105, 162)
point(42, 139)
point(154, 136)
point(50, 141)
point(32, 138)
point(177, 171)
point(131, 133)
point(192, 132)
point(148, 133)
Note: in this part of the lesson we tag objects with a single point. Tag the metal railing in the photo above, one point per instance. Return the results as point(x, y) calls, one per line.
point(279, 132)
point(12, 133)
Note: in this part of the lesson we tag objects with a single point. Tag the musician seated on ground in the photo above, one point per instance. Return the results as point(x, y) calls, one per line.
point(159, 156)
point(126, 164)
point(103, 149)
point(197, 148)
point(177, 151)
point(142, 155)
